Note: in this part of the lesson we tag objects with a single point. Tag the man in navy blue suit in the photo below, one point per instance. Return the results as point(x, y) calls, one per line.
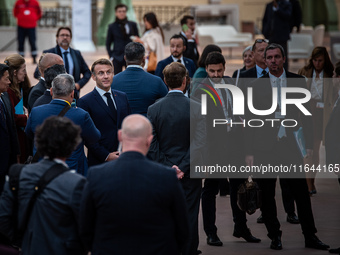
point(141, 88)
point(108, 108)
point(63, 94)
point(119, 33)
point(177, 48)
point(133, 205)
point(73, 60)
point(9, 146)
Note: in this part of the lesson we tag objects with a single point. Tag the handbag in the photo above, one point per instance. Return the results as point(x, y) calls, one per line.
point(152, 64)
point(249, 196)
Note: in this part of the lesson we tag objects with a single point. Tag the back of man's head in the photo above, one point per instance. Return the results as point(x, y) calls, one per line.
point(214, 58)
point(134, 53)
point(51, 73)
point(47, 60)
point(136, 134)
point(57, 137)
point(63, 85)
point(3, 69)
point(174, 74)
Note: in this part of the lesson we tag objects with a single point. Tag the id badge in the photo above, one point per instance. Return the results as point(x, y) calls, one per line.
point(320, 105)
point(279, 116)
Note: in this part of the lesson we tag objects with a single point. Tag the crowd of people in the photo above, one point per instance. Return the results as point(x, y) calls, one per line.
point(143, 127)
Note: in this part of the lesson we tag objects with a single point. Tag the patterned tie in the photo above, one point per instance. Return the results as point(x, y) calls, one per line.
point(110, 104)
point(67, 66)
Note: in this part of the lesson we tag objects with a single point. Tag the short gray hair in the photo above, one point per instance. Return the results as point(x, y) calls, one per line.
point(63, 85)
point(244, 51)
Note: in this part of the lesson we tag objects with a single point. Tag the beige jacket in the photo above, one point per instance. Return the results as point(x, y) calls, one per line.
point(153, 41)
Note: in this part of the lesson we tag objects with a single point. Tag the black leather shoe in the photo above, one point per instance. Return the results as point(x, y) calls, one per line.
point(260, 219)
point(292, 218)
point(315, 243)
point(213, 240)
point(335, 251)
point(276, 243)
point(246, 235)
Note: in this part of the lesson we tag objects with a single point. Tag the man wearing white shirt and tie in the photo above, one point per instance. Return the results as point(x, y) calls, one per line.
point(177, 48)
point(107, 108)
point(73, 60)
point(275, 145)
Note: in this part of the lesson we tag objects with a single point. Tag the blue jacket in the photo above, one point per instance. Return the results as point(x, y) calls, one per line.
point(133, 206)
point(89, 134)
point(141, 88)
point(189, 64)
point(105, 122)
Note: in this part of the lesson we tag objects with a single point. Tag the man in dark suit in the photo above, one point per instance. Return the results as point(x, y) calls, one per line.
point(63, 94)
point(49, 74)
point(152, 216)
point(188, 24)
point(177, 48)
point(276, 23)
point(225, 148)
point(275, 145)
point(46, 60)
point(141, 88)
point(52, 227)
point(9, 145)
point(259, 70)
point(119, 33)
point(73, 60)
point(170, 113)
point(107, 108)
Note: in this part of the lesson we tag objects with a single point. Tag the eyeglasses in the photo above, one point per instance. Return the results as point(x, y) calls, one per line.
point(65, 35)
point(261, 40)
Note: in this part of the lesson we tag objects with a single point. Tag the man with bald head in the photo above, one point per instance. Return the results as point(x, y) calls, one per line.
point(47, 60)
point(133, 205)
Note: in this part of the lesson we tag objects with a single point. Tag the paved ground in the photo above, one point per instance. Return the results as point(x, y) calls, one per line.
point(326, 204)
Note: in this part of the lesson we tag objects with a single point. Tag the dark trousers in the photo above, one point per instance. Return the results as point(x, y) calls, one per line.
point(22, 34)
point(118, 66)
point(209, 192)
point(287, 196)
point(281, 154)
point(192, 191)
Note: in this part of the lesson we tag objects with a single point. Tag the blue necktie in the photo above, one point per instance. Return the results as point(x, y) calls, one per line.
point(67, 66)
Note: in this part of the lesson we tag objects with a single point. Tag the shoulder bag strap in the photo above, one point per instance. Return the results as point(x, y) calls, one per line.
point(53, 172)
point(61, 114)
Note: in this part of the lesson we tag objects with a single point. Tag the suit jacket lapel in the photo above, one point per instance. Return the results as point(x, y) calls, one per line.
point(102, 104)
point(76, 71)
point(3, 123)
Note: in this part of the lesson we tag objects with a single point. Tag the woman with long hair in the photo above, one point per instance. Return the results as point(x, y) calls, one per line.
point(319, 72)
point(153, 41)
point(18, 94)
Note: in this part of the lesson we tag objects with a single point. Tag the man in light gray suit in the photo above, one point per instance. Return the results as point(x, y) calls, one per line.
point(52, 226)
